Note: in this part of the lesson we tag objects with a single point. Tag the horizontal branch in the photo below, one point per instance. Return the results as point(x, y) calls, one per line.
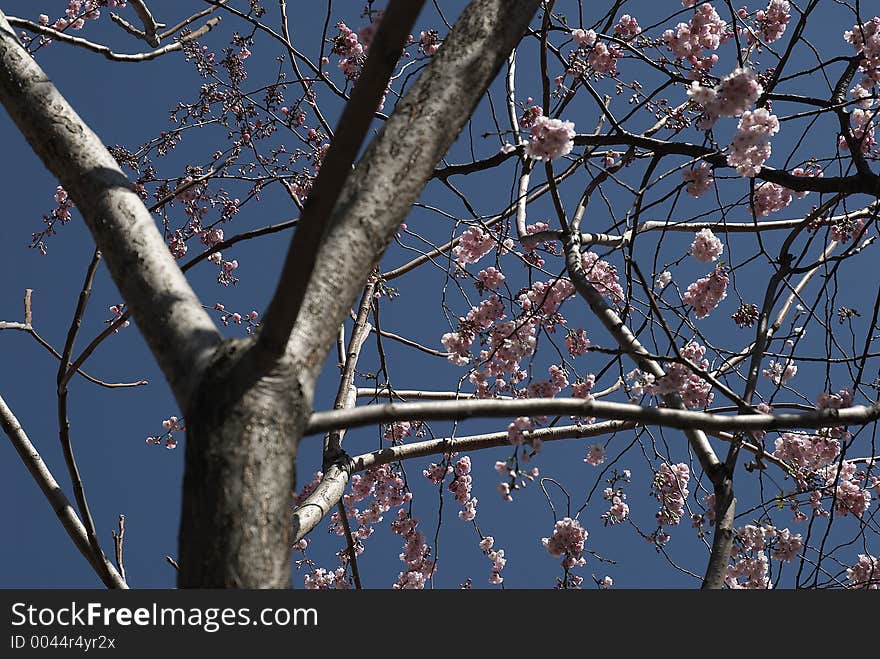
point(106, 51)
point(459, 410)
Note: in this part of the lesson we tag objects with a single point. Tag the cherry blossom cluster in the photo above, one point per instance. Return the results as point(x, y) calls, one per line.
point(627, 28)
point(60, 214)
point(78, 12)
point(695, 392)
point(863, 130)
point(770, 198)
point(490, 279)
point(734, 95)
point(706, 246)
point(397, 431)
point(707, 292)
point(550, 139)
point(567, 540)
point(779, 373)
point(171, 425)
point(479, 318)
point(670, 489)
point(706, 30)
point(843, 482)
point(784, 544)
point(511, 484)
point(487, 544)
point(752, 569)
point(388, 491)
point(249, 320)
point(699, 180)
point(619, 509)
point(865, 573)
point(576, 342)
point(808, 453)
point(352, 52)
point(308, 488)
point(751, 148)
point(473, 245)
point(429, 42)
point(770, 23)
point(603, 58)
point(530, 115)
point(461, 487)
point(865, 38)
point(416, 553)
point(322, 579)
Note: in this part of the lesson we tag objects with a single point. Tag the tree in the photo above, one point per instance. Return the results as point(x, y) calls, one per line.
point(667, 349)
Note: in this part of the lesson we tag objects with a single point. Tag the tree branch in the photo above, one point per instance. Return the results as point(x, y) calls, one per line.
point(179, 332)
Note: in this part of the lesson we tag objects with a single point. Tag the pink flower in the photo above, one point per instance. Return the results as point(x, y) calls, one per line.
point(706, 246)
point(473, 245)
point(699, 181)
point(769, 198)
point(750, 148)
point(567, 539)
point(670, 489)
point(771, 22)
point(707, 292)
point(779, 373)
point(551, 139)
point(865, 573)
point(584, 38)
point(576, 342)
point(491, 278)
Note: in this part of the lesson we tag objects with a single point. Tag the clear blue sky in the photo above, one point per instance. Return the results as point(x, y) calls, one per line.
point(127, 104)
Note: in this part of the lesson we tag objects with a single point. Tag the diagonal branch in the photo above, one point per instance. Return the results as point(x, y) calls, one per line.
point(52, 490)
point(179, 332)
point(394, 170)
point(318, 215)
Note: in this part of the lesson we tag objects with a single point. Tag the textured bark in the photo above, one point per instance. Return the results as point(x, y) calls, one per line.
point(240, 469)
point(400, 161)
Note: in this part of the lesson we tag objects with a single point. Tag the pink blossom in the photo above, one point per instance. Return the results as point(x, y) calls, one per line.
point(750, 148)
point(779, 373)
point(771, 22)
point(806, 452)
point(473, 245)
point(734, 95)
point(865, 39)
point(707, 292)
point(706, 30)
point(706, 246)
point(491, 278)
point(576, 342)
point(627, 27)
point(699, 181)
point(584, 38)
point(530, 116)
point(752, 569)
point(604, 59)
point(551, 139)
point(769, 198)
point(670, 489)
point(567, 539)
point(865, 573)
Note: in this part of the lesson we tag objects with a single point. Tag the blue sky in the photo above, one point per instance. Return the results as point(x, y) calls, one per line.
point(127, 104)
